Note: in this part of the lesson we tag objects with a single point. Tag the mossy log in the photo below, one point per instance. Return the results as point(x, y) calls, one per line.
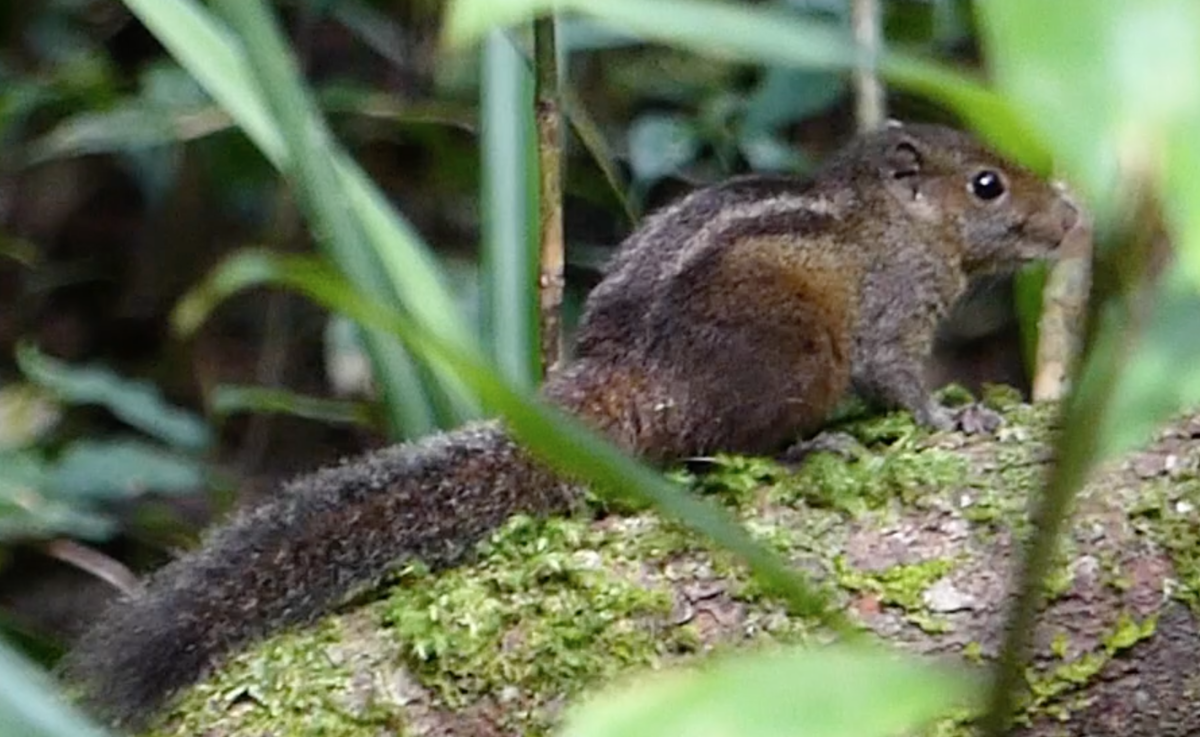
point(917, 535)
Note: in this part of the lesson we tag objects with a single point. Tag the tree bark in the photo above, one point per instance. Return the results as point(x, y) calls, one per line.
point(918, 537)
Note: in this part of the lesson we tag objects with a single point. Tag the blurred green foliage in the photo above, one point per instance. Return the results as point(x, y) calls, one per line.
point(53, 484)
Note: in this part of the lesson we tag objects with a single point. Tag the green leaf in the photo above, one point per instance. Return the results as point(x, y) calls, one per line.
point(787, 95)
point(562, 441)
point(28, 512)
point(131, 127)
point(120, 469)
point(135, 402)
point(660, 145)
point(30, 706)
point(468, 22)
point(510, 206)
point(1161, 373)
point(387, 259)
point(227, 400)
point(26, 415)
point(1134, 66)
point(766, 35)
point(826, 692)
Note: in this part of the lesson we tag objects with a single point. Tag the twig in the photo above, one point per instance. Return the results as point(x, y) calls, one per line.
point(870, 106)
point(1060, 328)
point(550, 225)
point(88, 559)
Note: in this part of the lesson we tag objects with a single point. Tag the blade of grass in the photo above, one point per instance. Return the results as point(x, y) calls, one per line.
point(558, 439)
point(227, 400)
point(508, 178)
point(403, 269)
point(307, 146)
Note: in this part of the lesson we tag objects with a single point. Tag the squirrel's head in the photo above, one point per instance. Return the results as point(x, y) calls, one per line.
point(997, 213)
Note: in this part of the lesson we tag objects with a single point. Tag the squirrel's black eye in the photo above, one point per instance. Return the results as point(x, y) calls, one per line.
point(987, 185)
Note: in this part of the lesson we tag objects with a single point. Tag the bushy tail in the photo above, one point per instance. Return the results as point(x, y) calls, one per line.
point(300, 555)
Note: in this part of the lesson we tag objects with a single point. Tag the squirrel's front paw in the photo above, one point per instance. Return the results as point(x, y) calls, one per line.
point(972, 419)
point(935, 416)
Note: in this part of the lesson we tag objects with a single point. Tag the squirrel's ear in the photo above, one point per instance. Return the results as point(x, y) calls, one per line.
point(902, 164)
point(903, 160)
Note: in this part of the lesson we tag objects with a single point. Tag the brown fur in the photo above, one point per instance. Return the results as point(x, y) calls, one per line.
point(732, 320)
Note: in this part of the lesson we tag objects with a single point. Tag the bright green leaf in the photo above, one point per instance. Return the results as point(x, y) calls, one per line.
point(1161, 375)
point(1133, 66)
point(826, 692)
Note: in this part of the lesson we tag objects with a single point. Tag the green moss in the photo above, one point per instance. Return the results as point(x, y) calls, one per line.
point(735, 480)
point(551, 607)
point(1166, 512)
point(1051, 688)
point(872, 480)
point(973, 652)
point(1002, 398)
point(282, 686)
point(955, 395)
point(901, 586)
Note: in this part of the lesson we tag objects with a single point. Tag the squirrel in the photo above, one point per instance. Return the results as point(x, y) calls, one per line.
point(732, 320)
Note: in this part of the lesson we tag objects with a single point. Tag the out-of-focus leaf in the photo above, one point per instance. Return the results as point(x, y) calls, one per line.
point(227, 400)
point(1162, 374)
point(26, 414)
point(131, 127)
point(659, 145)
point(28, 512)
point(389, 260)
point(30, 706)
point(767, 152)
point(771, 35)
point(1134, 66)
point(377, 30)
point(138, 403)
point(825, 692)
point(169, 108)
point(788, 94)
point(120, 469)
point(20, 250)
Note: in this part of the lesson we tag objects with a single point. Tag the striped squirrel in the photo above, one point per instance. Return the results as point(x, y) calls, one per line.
point(733, 320)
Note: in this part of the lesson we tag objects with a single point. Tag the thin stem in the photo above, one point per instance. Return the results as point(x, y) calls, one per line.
point(870, 105)
point(550, 221)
